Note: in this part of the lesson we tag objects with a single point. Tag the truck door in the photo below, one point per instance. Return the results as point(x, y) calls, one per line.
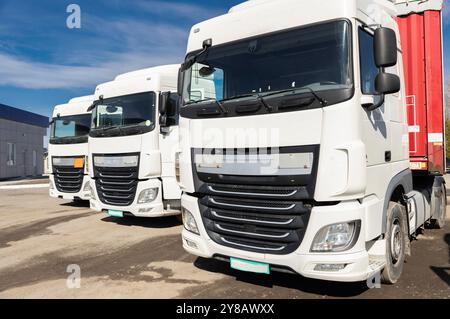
point(376, 127)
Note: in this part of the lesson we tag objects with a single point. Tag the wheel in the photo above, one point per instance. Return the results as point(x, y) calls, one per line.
point(441, 209)
point(396, 243)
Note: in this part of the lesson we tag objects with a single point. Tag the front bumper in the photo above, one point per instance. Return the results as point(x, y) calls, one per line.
point(358, 267)
point(152, 209)
point(82, 194)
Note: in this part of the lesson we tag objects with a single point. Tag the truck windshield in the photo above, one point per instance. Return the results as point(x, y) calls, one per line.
point(317, 57)
point(70, 129)
point(124, 115)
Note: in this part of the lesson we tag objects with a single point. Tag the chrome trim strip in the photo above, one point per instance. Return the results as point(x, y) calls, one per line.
point(254, 207)
point(116, 190)
point(117, 197)
point(117, 203)
point(67, 186)
point(253, 194)
point(116, 176)
point(115, 183)
point(251, 220)
point(251, 234)
point(253, 247)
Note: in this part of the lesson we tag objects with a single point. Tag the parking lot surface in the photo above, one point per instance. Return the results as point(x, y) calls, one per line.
point(41, 239)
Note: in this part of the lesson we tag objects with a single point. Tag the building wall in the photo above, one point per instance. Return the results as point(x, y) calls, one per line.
point(27, 138)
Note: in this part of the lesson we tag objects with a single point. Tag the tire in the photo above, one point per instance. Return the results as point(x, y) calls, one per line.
point(441, 208)
point(396, 243)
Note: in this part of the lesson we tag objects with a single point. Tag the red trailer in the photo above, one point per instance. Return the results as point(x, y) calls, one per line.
point(420, 24)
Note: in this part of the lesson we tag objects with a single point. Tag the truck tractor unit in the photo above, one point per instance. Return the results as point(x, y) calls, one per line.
point(133, 142)
point(312, 136)
point(68, 150)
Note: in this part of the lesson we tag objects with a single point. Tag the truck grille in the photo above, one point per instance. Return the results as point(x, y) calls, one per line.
point(261, 225)
point(116, 186)
point(68, 179)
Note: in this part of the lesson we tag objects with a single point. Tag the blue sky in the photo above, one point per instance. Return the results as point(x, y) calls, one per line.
point(43, 63)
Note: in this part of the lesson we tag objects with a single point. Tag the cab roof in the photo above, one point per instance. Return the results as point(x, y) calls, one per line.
point(75, 106)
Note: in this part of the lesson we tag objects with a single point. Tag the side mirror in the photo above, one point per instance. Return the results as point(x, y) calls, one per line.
point(386, 55)
point(164, 97)
point(168, 110)
point(180, 82)
point(386, 83)
point(385, 47)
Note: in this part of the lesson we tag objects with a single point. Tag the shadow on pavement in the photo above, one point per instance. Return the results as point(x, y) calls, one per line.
point(158, 222)
point(290, 281)
point(78, 203)
point(444, 272)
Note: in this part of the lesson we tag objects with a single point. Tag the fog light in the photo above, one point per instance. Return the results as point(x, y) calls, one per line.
point(336, 237)
point(189, 221)
point(329, 267)
point(191, 244)
point(147, 195)
point(145, 210)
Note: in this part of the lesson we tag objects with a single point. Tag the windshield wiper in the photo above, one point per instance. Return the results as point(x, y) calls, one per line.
point(222, 109)
point(259, 97)
point(322, 101)
point(102, 131)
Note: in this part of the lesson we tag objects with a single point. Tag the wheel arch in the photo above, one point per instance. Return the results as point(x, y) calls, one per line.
point(399, 185)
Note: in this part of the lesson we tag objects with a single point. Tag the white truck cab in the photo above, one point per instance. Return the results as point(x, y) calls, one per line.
point(68, 150)
point(132, 144)
point(297, 160)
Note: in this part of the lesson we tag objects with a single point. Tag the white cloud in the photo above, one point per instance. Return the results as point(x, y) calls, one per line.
point(116, 46)
point(110, 45)
point(29, 74)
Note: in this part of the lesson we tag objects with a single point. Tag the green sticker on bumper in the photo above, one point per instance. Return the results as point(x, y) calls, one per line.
point(115, 213)
point(249, 266)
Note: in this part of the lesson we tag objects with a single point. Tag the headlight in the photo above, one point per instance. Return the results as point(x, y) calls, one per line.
point(116, 161)
point(147, 195)
point(336, 237)
point(189, 221)
point(77, 162)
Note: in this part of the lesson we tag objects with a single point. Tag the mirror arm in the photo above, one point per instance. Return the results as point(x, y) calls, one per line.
point(164, 130)
point(374, 106)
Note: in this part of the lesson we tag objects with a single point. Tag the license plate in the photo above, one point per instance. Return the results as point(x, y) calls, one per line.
point(249, 266)
point(115, 213)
